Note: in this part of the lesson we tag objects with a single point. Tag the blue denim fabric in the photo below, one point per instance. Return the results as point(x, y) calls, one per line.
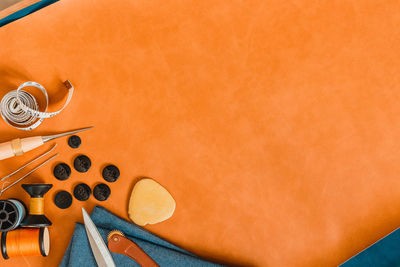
point(384, 253)
point(25, 11)
point(164, 253)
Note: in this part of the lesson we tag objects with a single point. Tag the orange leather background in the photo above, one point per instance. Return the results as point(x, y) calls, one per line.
point(274, 124)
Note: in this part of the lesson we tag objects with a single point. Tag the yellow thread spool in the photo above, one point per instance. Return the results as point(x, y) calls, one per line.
point(36, 217)
point(36, 206)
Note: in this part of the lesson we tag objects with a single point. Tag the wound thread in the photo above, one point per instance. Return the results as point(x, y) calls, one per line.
point(12, 212)
point(36, 217)
point(36, 206)
point(25, 242)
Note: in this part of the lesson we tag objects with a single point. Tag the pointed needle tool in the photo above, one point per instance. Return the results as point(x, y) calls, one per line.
point(54, 136)
point(19, 146)
point(23, 177)
point(28, 163)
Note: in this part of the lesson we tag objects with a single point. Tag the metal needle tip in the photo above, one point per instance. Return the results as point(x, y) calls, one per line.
point(51, 137)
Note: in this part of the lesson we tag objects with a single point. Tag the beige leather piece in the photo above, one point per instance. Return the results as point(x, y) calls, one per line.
point(274, 124)
point(150, 203)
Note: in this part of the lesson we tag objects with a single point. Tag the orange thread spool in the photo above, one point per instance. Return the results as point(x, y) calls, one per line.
point(25, 242)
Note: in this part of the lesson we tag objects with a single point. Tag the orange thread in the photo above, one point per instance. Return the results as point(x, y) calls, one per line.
point(23, 242)
point(36, 206)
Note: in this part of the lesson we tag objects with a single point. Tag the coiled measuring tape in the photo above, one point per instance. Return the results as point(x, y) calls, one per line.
point(20, 109)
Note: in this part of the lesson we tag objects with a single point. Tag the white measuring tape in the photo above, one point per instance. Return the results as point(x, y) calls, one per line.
point(21, 110)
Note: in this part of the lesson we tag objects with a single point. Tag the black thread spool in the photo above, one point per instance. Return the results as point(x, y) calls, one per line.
point(12, 212)
point(36, 217)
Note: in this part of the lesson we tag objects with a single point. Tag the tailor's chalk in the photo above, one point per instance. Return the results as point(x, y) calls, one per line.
point(150, 203)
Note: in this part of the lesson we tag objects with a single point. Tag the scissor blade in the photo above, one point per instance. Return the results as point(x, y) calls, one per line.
point(99, 248)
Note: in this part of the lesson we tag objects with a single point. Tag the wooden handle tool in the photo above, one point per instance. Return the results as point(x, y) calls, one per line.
point(19, 146)
point(118, 243)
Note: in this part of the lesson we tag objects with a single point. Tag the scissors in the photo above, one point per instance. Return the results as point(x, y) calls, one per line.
point(99, 248)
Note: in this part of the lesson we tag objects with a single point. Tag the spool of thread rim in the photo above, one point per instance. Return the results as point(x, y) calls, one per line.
point(36, 217)
point(12, 212)
point(25, 242)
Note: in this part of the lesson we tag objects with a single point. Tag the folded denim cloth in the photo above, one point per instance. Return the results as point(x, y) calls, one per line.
point(164, 253)
point(383, 253)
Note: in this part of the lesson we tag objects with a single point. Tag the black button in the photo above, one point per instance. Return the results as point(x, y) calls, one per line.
point(101, 192)
point(62, 171)
point(82, 163)
point(82, 192)
point(63, 199)
point(74, 141)
point(111, 173)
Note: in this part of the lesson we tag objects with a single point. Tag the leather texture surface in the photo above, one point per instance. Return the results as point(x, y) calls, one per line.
point(274, 124)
